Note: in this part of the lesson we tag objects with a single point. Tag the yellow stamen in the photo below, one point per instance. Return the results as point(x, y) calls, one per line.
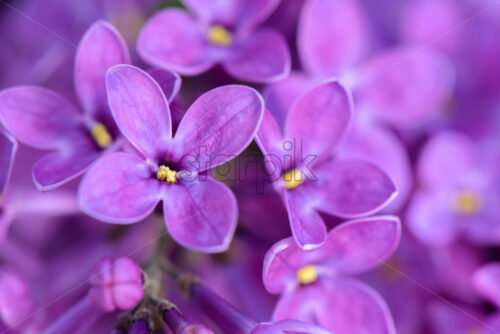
point(292, 179)
point(166, 174)
point(101, 135)
point(307, 274)
point(468, 202)
point(219, 35)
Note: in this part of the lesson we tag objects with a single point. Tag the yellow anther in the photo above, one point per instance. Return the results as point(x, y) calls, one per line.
point(166, 174)
point(307, 274)
point(101, 135)
point(219, 35)
point(468, 202)
point(292, 179)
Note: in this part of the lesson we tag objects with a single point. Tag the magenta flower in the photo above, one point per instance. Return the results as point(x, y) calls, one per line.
point(200, 212)
point(459, 194)
point(315, 284)
point(230, 320)
point(313, 182)
point(217, 32)
point(43, 119)
point(8, 147)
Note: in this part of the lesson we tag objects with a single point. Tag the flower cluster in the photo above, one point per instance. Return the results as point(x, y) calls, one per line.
point(249, 166)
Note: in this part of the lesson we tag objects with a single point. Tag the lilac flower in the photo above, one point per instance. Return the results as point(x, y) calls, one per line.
point(200, 212)
point(230, 320)
point(313, 181)
point(8, 147)
point(217, 32)
point(315, 284)
point(332, 40)
point(402, 85)
point(43, 119)
point(116, 284)
point(459, 192)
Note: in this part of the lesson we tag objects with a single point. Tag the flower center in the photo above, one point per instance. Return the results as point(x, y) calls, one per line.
point(166, 174)
point(307, 274)
point(292, 179)
point(467, 202)
point(219, 35)
point(101, 135)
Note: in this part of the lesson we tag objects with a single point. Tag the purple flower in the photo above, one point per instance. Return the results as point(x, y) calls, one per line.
point(217, 32)
point(459, 194)
point(313, 182)
point(230, 320)
point(200, 212)
point(43, 119)
point(8, 147)
point(315, 284)
point(116, 284)
point(402, 85)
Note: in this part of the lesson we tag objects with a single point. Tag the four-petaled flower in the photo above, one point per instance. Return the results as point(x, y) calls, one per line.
point(314, 126)
point(315, 286)
point(43, 119)
point(200, 212)
point(223, 32)
point(459, 193)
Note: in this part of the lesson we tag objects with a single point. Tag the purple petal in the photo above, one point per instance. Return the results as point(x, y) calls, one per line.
point(406, 85)
point(280, 96)
point(341, 305)
point(431, 219)
point(444, 159)
point(100, 48)
point(140, 109)
point(235, 13)
point(332, 36)
point(119, 188)
point(486, 282)
point(39, 117)
point(57, 168)
point(320, 119)
point(445, 16)
point(270, 141)
point(308, 228)
point(169, 82)
point(8, 148)
point(172, 39)
point(219, 125)
point(381, 147)
point(263, 58)
point(296, 326)
point(350, 188)
point(201, 215)
point(360, 245)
